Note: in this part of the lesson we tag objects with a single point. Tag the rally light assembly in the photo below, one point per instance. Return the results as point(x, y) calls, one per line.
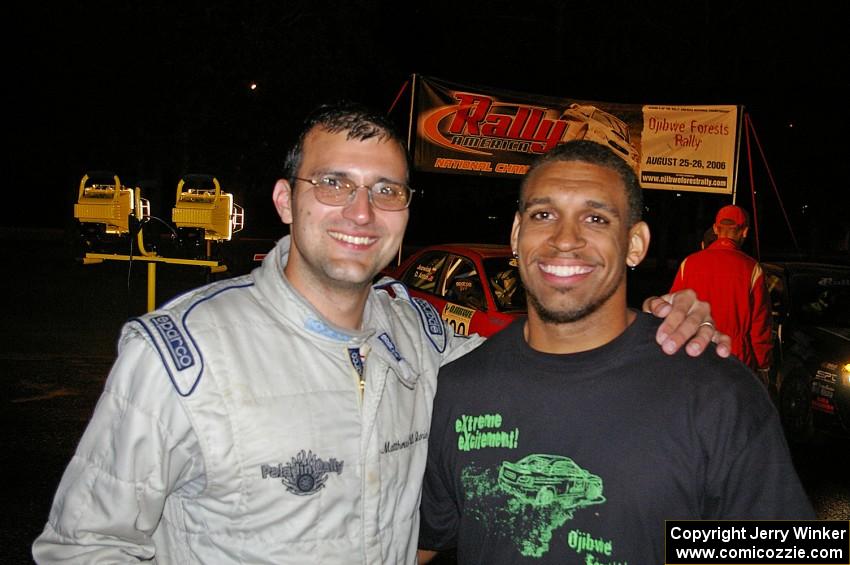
point(104, 203)
point(108, 212)
point(205, 210)
point(113, 220)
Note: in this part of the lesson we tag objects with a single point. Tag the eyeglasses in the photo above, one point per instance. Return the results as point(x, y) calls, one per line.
point(339, 191)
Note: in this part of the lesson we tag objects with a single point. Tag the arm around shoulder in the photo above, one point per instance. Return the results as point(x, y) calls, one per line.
point(687, 321)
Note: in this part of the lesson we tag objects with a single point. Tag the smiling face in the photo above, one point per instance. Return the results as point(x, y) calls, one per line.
point(574, 244)
point(341, 248)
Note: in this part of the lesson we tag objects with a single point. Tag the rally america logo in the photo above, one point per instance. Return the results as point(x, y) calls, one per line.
point(481, 124)
point(304, 474)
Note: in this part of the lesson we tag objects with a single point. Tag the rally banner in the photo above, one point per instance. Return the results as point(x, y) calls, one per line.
point(471, 130)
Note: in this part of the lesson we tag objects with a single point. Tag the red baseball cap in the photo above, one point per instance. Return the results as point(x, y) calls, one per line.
point(732, 215)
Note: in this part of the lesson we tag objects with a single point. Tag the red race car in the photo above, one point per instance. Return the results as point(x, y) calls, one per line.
point(475, 287)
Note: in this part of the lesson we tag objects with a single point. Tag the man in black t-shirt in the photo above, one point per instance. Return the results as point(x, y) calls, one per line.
point(571, 437)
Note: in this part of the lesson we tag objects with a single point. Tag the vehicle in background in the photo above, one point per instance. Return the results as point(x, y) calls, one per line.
point(475, 287)
point(811, 323)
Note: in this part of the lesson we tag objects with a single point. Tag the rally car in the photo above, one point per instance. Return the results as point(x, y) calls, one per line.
point(542, 479)
point(811, 319)
point(602, 127)
point(475, 287)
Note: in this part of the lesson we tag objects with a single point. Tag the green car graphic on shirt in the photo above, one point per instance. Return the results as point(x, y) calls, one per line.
point(543, 479)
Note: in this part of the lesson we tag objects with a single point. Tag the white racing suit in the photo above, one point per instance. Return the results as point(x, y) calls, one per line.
point(233, 429)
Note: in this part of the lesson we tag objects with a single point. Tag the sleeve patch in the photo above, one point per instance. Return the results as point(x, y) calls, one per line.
point(180, 357)
point(178, 350)
point(431, 323)
point(175, 342)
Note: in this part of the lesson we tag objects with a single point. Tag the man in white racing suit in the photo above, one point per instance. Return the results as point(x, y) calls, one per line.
point(282, 416)
point(261, 434)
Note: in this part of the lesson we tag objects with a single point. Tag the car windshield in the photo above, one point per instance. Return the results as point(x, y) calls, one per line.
point(503, 275)
point(821, 299)
point(617, 126)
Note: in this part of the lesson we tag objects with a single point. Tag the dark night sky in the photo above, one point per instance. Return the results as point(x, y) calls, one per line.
point(157, 89)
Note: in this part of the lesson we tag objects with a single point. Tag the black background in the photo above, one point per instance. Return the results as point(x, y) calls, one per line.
point(154, 90)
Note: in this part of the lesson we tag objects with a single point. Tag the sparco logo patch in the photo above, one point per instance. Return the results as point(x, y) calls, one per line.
point(432, 318)
point(356, 359)
point(304, 474)
point(175, 341)
point(388, 343)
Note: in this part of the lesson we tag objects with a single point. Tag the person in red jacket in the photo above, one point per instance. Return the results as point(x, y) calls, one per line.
point(733, 283)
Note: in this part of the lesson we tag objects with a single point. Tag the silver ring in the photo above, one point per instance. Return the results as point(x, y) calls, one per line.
point(711, 324)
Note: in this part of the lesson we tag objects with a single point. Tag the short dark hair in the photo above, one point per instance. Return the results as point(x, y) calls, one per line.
point(596, 154)
point(360, 122)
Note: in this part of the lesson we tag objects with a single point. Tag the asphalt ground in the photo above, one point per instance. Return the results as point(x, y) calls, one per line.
point(58, 341)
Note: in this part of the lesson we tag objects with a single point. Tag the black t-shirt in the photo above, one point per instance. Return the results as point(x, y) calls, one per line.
point(580, 458)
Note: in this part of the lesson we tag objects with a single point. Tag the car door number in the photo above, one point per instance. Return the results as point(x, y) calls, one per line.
point(458, 317)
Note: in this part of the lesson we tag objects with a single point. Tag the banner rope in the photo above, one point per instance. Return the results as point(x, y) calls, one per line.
point(751, 127)
point(747, 128)
point(398, 96)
